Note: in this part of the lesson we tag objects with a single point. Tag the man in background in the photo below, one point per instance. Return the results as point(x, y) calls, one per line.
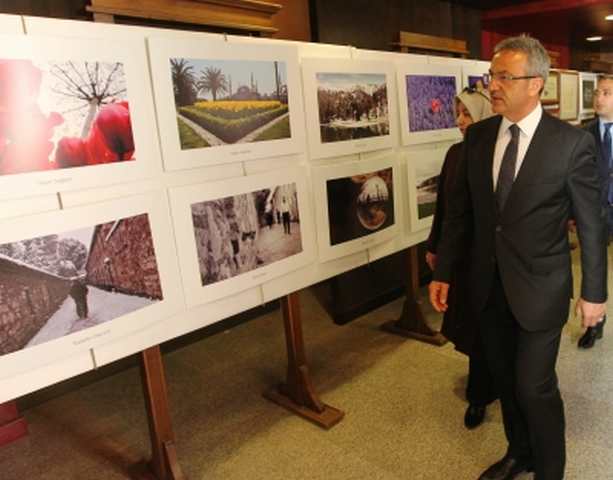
point(602, 130)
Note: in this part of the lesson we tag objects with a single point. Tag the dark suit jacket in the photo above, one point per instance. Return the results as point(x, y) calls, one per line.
point(603, 164)
point(528, 240)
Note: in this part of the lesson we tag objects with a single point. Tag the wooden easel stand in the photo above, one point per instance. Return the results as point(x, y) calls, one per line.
point(297, 394)
point(164, 464)
point(411, 323)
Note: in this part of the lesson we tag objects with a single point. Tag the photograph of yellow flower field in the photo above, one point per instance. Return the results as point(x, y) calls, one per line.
point(220, 102)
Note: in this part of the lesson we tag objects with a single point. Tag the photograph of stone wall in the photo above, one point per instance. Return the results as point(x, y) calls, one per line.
point(241, 233)
point(58, 284)
point(360, 205)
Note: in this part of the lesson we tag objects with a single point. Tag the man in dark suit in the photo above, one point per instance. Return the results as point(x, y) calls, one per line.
point(602, 130)
point(521, 175)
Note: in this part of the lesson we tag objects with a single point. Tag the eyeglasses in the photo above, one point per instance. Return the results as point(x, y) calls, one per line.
point(505, 77)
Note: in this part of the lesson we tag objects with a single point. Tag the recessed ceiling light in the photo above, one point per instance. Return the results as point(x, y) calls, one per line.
point(609, 17)
point(593, 39)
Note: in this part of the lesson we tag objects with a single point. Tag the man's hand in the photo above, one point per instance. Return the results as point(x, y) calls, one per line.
point(431, 260)
point(438, 295)
point(591, 313)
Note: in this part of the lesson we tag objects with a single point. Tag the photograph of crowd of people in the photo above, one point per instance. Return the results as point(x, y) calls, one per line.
point(360, 205)
point(221, 102)
point(58, 284)
point(56, 115)
point(352, 106)
point(240, 233)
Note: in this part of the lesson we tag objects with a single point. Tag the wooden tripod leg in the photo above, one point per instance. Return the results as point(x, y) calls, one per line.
point(412, 323)
point(164, 464)
point(297, 394)
point(12, 425)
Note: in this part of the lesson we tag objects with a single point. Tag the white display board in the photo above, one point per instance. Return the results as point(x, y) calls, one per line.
point(220, 102)
point(233, 235)
point(119, 192)
point(90, 115)
point(70, 282)
point(10, 23)
point(348, 105)
point(427, 102)
point(357, 205)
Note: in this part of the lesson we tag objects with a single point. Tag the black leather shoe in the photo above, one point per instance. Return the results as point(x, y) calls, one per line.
point(588, 339)
point(506, 469)
point(474, 415)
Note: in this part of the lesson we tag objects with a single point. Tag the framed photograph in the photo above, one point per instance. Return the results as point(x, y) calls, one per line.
point(427, 103)
point(348, 108)
point(221, 102)
point(240, 233)
point(357, 205)
point(89, 112)
point(74, 279)
point(569, 95)
point(424, 168)
point(586, 95)
point(551, 90)
point(473, 76)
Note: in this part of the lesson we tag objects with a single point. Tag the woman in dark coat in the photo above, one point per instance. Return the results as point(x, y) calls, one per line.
point(472, 105)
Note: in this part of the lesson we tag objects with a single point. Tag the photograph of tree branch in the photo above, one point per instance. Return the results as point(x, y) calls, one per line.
point(56, 115)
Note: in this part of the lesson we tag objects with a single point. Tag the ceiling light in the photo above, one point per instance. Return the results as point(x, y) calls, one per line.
point(609, 17)
point(593, 39)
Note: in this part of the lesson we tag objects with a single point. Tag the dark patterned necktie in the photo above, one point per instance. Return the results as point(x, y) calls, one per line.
point(606, 152)
point(506, 176)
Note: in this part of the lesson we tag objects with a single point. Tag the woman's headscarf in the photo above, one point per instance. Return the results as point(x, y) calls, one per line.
point(477, 102)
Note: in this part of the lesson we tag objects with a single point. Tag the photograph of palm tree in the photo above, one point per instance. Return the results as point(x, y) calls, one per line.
point(352, 106)
point(66, 114)
point(221, 102)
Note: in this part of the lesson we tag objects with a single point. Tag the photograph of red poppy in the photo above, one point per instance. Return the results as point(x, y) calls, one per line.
point(56, 115)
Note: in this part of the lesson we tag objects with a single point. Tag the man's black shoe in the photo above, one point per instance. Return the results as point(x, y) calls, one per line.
point(474, 415)
point(588, 339)
point(506, 469)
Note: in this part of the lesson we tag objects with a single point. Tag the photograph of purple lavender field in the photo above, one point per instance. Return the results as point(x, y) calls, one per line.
point(430, 102)
point(352, 106)
point(58, 284)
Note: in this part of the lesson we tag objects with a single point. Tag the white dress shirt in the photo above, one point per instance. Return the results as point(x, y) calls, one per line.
point(527, 127)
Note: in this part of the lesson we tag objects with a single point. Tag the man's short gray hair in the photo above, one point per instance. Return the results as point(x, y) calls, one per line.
point(538, 58)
